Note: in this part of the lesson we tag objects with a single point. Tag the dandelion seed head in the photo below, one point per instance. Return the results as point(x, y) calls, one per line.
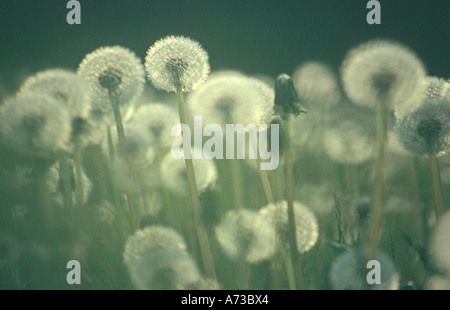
point(112, 71)
point(306, 224)
point(348, 272)
point(65, 86)
point(427, 129)
point(230, 97)
point(104, 212)
point(381, 71)
point(348, 142)
point(177, 61)
point(157, 120)
point(34, 125)
point(164, 269)
point(316, 84)
point(174, 177)
point(151, 238)
point(245, 234)
point(435, 87)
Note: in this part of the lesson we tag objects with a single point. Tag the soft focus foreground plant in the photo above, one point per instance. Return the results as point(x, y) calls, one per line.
point(179, 64)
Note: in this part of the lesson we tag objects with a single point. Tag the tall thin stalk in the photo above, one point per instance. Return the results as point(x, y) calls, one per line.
point(439, 204)
point(378, 186)
point(195, 200)
point(131, 199)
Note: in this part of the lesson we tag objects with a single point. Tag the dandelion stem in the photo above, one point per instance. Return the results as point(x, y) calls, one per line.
point(78, 159)
point(265, 181)
point(439, 204)
point(66, 181)
point(378, 187)
point(290, 206)
point(195, 200)
point(131, 199)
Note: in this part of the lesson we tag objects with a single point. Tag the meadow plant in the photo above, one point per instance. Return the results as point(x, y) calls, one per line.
point(180, 64)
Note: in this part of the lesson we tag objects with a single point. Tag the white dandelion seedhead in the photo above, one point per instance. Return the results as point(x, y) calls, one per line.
point(174, 177)
point(164, 269)
point(177, 61)
point(112, 71)
point(348, 142)
point(151, 238)
point(427, 129)
point(156, 120)
point(65, 86)
point(245, 234)
point(435, 88)
point(229, 97)
point(381, 71)
point(349, 272)
point(306, 224)
point(316, 84)
point(440, 244)
point(34, 124)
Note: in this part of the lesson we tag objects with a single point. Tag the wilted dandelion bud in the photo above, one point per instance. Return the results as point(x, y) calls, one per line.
point(440, 244)
point(34, 124)
point(246, 235)
point(230, 97)
point(164, 269)
point(286, 98)
point(383, 72)
point(177, 61)
point(316, 84)
point(157, 120)
point(349, 272)
point(151, 238)
point(112, 71)
point(427, 129)
point(306, 224)
point(173, 173)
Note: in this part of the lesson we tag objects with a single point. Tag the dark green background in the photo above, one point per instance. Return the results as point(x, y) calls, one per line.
point(253, 36)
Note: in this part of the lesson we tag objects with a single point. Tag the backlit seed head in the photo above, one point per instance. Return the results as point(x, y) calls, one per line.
point(34, 124)
point(435, 88)
point(348, 142)
point(316, 84)
point(246, 235)
point(306, 224)
point(164, 269)
point(177, 61)
point(112, 71)
point(65, 86)
point(151, 238)
point(383, 72)
point(348, 272)
point(427, 129)
point(156, 120)
point(230, 97)
point(174, 177)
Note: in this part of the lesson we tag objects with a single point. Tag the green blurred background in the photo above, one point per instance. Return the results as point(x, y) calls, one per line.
point(255, 36)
